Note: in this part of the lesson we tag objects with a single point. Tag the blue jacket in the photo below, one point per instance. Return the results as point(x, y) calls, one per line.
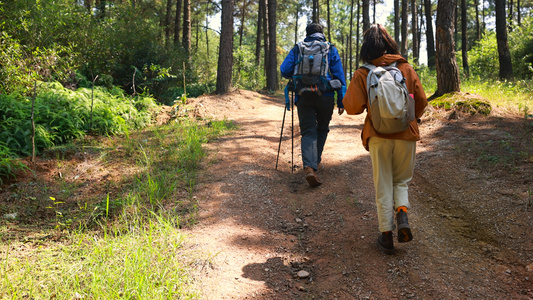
point(335, 66)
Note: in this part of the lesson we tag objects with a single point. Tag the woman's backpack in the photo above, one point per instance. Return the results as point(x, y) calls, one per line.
point(392, 108)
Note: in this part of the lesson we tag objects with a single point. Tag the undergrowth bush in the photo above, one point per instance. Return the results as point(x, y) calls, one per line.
point(62, 115)
point(193, 90)
point(8, 163)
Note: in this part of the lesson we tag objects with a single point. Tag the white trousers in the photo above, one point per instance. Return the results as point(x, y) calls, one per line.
point(393, 165)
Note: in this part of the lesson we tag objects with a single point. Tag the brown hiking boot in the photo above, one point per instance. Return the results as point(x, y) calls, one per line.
point(311, 177)
point(404, 230)
point(386, 243)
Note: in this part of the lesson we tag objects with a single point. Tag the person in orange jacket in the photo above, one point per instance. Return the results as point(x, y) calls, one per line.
point(392, 155)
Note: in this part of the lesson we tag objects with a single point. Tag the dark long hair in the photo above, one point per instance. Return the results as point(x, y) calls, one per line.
point(376, 42)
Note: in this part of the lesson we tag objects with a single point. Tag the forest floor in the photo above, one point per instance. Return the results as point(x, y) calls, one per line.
point(258, 228)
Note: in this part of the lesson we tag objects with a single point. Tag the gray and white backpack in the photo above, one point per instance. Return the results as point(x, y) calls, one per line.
point(312, 67)
point(392, 109)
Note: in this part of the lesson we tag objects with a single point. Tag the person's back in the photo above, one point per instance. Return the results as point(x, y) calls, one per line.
point(315, 105)
point(392, 154)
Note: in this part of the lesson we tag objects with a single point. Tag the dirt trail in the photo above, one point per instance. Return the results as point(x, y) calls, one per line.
point(258, 227)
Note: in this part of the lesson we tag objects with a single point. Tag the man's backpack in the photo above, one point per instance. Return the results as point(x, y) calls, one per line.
point(392, 109)
point(312, 67)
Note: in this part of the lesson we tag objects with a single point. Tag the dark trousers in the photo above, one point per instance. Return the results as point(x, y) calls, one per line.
point(314, 113)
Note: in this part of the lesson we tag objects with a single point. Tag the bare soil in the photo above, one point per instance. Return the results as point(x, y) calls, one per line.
point(258, 227)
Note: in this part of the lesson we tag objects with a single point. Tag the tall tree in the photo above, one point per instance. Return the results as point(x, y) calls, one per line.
point(464, 40)
point(511, 15)
point(430, 40)
point(350, 39)
point(414, 30)
point(518, 17)
point(266, 47)
point(186, 26)
point(167, 21)
point(241, 28)
point(272, 68)
point(259, 31)
point(357, 30)
point(447, 71)
point(177, 22)
point(374, 2)
point(296, 15)
point(316, 14)
point(405, 20)
point(328, 20)
point(366, 14)
point(506, 67)
point(225, 51)
point(478, 26)
point(397, 21)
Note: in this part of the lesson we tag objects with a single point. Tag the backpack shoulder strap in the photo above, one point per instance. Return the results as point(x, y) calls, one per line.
point(368, 66)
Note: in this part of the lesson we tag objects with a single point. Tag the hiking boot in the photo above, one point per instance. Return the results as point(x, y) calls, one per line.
point(404, 230)
point(320, 167)
point(386, 243)
point(311, 177)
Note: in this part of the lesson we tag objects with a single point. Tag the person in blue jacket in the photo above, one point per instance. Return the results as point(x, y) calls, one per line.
point(314, 111)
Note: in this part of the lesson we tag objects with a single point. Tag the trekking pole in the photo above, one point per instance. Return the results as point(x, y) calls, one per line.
point(292, 132)
point(281, 134)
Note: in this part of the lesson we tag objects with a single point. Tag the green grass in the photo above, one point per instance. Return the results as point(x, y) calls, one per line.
point(145, 263)
point(508, 95)
point(127, 245)
point(511, 96)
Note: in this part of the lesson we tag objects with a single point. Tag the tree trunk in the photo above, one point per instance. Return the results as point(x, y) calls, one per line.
point(167, 22)
point(207, 38)
point(266, 48)
point(186, 25)
point(241, 30)
point(225, 54)
point(510, 15)
point(414, 30)
point(296, 23)
point(518, 16)
point(483, 24)
point(506, 67)
point(272, 71)
point(478, 26)
point(429, 34)
point(366, 14)
point(259, 32)
point(403, 50)
point(374, 11)
point(447, 71)
point(350, 39)
point(315, 17)
point(397, 21)
point(177, 24)
point(358, 30)
point(328, 21)
point(464, 41)
point(455, 25)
